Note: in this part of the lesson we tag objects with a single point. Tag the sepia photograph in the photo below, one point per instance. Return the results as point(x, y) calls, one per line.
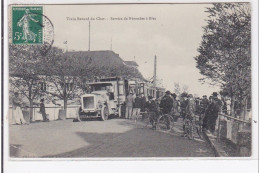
point(130, 81)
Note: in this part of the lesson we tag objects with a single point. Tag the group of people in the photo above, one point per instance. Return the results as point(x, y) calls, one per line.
point(186, 106)
point(17, 106)
point(134, 105)
point(206, 109)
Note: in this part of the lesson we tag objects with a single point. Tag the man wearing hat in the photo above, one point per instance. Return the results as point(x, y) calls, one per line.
point(190, 112)
point(42, 110)
point(175, 107)
point(129, 105)
point(152, 109)
point(212, 112)
point(166, 105)
point(203, 106)
point(183, 105)
point(191, 106)
point(215, 95)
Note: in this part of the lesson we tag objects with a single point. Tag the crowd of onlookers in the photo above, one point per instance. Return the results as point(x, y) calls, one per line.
point(184, 106)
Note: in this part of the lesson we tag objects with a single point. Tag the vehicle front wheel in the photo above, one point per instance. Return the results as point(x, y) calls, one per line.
point(104, 113)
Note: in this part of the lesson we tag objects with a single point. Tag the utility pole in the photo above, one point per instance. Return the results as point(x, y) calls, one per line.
point(89, 36)
point(154, 73)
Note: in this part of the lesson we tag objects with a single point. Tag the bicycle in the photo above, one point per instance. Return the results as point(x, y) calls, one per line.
point(189, 127)
point(191, 123)
point(148, 118)
point(165, 122)
point(199, 122)
point(198, 126)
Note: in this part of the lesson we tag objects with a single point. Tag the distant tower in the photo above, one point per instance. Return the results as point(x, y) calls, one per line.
point(154, 73)
point(89, 36)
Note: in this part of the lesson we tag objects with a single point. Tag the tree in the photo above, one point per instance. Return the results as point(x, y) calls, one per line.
point(30, 66)
point(177, 89)
point(119, 70)
point(225, 50)
point(185, 89)
point(66, 75)
point(24, 71)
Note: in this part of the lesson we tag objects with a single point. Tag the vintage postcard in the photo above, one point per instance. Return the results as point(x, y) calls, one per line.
point(130, 81)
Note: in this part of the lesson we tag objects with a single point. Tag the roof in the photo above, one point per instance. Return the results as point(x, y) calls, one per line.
point(131, 63)
point(97, 58)
point(105, 59)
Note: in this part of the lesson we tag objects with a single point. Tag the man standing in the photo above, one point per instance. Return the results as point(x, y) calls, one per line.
point(143, 102)
point(212, 112)
point(129, 106)
point(190, 114)
point(166, 105)
point(137, 107)
point(191, 106)
point(175, 108)
point(152, 108)
point(183, 104)
point(42, 110)
point(203, 106)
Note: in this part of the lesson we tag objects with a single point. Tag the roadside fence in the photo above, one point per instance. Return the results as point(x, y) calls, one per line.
point(53, 113)
point(235, 130)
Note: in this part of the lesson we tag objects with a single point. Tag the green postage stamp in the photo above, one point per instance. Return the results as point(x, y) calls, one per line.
point(27, 25)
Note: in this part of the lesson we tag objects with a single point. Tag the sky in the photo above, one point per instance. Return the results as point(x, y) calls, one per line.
point(172, 32)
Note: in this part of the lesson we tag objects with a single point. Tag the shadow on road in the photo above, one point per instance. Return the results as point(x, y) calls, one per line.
point(137, 143)
point(15, 150)
point(113, 138)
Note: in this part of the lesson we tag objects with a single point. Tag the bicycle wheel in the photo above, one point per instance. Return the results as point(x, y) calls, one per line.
point(190, 134)
point(147, 119)
point(161, 123)
point(198, 126)
point(165, 122)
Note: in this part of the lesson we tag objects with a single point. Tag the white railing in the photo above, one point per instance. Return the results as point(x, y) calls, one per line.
point(52, 111)
point(235, 124)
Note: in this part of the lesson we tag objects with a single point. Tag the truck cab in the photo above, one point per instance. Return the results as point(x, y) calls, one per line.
point(104, 100)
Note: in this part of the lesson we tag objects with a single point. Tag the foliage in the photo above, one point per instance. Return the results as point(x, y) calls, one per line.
point(24, 63)
point(24, 70)
point(63, 74)
point(178, 89)
point(225, 50)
